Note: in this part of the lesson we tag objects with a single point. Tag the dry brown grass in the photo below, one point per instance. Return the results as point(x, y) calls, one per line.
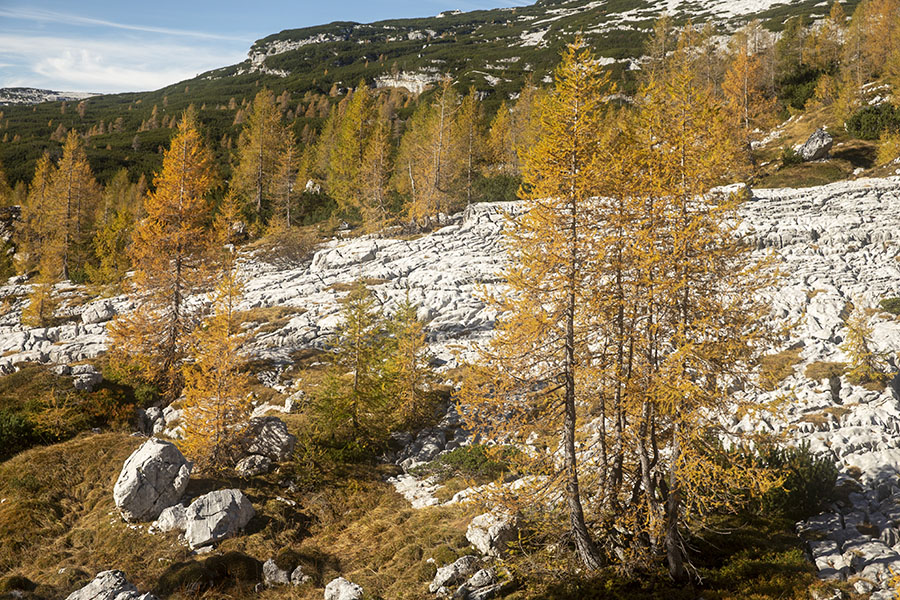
point(59, 513)
point(821, 370)
point(775, 368)
point(270, 318)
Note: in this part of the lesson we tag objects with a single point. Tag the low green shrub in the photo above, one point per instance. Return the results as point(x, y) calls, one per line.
point(789, 157)
point(869, 122)
point(809, 481)
point(891, 305)
point(472, 461)
point(16, 433)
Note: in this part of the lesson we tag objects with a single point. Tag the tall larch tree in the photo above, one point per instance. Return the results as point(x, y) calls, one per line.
point(344, 173)
point(74, 194)
point(745, 90)
point(375, 174)
point(469, 148)
point(259, 147)
point(703, 292)
point(532, 368)
point(167, 253)
point(37, 225)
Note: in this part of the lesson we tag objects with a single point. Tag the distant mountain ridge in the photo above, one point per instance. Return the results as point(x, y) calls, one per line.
point(26, 95)
point(490, 49)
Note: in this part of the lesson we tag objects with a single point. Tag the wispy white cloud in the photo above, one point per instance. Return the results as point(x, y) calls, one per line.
point(48, 16)
point(76, 64)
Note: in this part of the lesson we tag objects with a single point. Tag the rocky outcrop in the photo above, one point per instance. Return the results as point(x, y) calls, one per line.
point(341, 589)
point(153, 478)
point(216, 516)
point(817, 146)
point(109, 585)
point(490, 533)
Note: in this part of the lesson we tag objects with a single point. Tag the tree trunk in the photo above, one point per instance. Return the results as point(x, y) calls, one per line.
point(584, 545)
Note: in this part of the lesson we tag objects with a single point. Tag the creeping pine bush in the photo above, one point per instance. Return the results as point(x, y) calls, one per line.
point(809, 481)
point(789, 157)
point(891, 305)
point(869, 122)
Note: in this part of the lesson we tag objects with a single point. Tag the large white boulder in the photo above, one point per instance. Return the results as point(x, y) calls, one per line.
point(216, 516)
point(341, 589)
point(490, 533)
point(109, 585)
point(153, 478)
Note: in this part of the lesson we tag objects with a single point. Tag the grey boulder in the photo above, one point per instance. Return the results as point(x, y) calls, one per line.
point(341, 589)
point(109, 585)
point(153, 478)
point(268, 436)
point(216, 516)
point(490, 533)
point(817, 146)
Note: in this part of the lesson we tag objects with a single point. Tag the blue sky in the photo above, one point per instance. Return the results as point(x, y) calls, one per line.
point(135, 45)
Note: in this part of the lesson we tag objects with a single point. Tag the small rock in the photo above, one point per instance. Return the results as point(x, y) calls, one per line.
point(172, 518)
point(216, 516)
point(298, 577)
point(253, 465)
point(268, 436)
point(273, 575)
point(341, 589)
point(490, 533)
point(153, 478)
point(109, 585)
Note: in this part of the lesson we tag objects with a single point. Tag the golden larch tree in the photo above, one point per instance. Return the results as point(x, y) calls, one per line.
point(217, 399)
point(259, 147)
point(72, 203)
point(531, 368)
point(167, 253)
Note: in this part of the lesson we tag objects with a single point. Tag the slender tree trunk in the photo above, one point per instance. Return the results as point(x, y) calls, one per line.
point(584, 545)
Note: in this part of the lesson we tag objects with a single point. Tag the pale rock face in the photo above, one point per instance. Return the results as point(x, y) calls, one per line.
point(341, 589)
point(153, 478)
point(269, 437)
point(216, 516)
point(109, 585)
point(454, 573)
point(98, 312)
point(490, 533)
